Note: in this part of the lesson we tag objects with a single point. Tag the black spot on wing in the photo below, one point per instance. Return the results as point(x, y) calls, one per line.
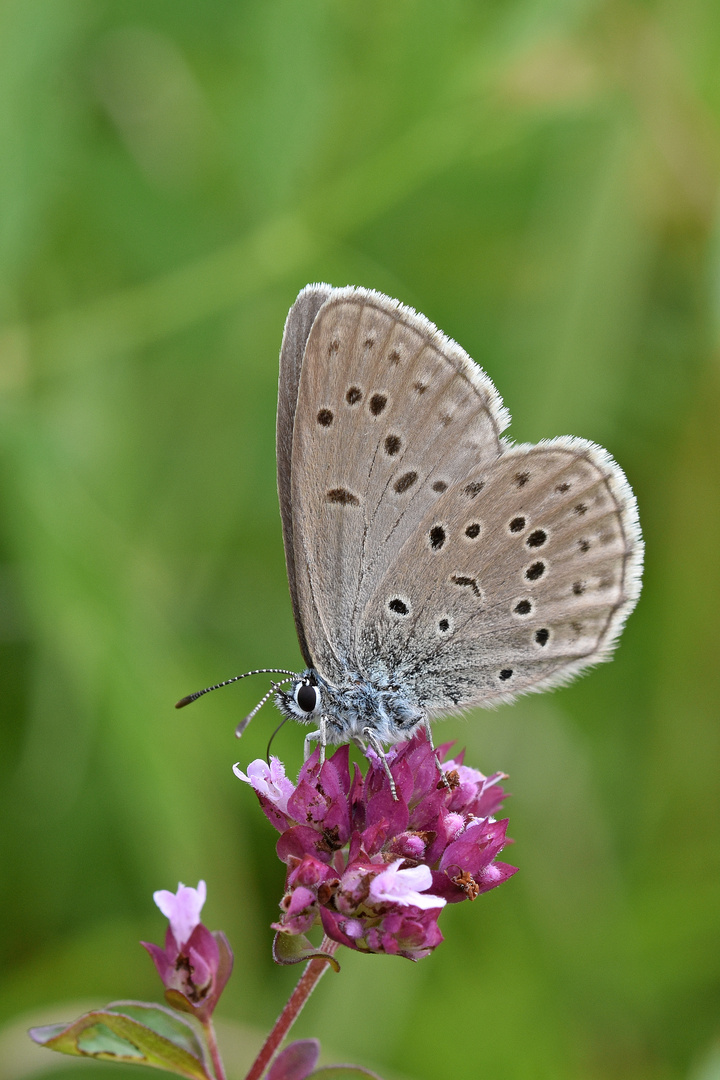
point(342, 496)
point(466, 582)
point(437, 537)
point(404, 482)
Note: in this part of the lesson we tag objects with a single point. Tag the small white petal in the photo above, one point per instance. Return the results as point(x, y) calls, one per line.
point(396, 886)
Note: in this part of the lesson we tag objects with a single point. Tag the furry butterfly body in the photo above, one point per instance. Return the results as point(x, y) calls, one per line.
point(432, 565)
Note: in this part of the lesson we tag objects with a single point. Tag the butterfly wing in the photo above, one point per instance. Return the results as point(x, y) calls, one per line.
point(297, 328)
point(422, 545)
point(515, 589)
point(367, 462)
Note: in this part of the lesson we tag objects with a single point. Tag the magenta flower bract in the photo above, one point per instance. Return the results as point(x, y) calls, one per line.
point(196, 963)
point(373, 870)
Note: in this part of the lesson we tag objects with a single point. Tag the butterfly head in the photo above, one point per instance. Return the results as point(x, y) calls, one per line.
point(303, 701)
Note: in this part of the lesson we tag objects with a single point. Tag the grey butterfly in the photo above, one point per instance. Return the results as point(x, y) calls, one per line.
point(432, 564)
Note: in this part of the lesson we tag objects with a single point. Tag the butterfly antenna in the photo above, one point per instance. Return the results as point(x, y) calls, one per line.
point(258, 671)
point(246, 720)
point(272, 738)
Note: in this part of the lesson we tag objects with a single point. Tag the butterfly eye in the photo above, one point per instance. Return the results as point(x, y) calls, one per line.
point(307, 696)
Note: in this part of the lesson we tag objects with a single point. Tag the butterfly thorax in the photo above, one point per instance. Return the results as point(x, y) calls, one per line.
point(349, 709)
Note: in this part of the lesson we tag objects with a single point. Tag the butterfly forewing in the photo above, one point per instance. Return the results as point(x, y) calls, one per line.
point(297, 327)
point(367, 463)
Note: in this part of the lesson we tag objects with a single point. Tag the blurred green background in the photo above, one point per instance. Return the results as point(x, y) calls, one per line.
point(540, 178)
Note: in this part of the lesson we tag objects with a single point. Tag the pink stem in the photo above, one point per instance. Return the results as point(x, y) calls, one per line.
point(214, 1050)
point(309, 979)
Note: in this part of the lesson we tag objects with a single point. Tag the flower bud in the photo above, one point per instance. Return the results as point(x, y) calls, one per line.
point(196, 963)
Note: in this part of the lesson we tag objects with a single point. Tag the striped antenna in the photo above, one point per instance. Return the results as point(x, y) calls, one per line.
point(246, 720)
point(258, 671)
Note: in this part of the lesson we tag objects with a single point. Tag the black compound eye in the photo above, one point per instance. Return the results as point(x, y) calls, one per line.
point(307, 696)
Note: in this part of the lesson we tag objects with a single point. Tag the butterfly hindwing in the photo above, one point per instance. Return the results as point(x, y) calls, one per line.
point(515, 589)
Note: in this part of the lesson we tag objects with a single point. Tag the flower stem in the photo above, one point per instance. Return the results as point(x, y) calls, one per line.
point(309, 979)
point(211, 1040)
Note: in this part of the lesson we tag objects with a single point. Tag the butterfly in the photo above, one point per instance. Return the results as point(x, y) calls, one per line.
point(432, 564)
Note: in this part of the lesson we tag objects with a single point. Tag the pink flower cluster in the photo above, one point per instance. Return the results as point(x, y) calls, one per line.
point(375, 870)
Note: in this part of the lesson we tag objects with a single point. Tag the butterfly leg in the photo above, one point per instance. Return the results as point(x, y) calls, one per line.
point(378, 748)
point(323, 738)
point(314, 736)
point(311, 736)
point(440, 769)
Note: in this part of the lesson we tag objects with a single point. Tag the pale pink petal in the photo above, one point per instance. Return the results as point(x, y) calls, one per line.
point(354, 928)
point(454, 825)
point(268, 780)
point(466, 775)
point(182, 909)
point(404, 887)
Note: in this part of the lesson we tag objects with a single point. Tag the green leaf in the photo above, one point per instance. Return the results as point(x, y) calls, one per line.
point(131, 1032)
point(163, 1022)
point(295, 948)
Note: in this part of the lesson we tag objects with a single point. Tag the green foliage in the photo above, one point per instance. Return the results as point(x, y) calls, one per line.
point(540, 179)
point(133, 1033)
point(297, 949)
